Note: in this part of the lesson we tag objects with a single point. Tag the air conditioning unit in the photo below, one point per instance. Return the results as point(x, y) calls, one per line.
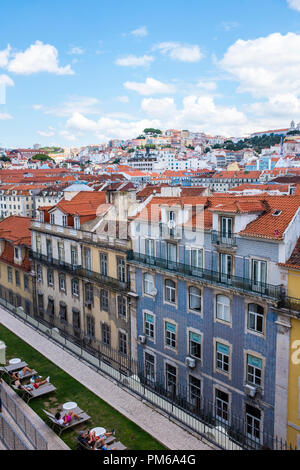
point(250, 390)
point(142, 339)
point(190, 362)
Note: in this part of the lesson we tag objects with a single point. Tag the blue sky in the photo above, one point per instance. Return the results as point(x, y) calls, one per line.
point(86, 71)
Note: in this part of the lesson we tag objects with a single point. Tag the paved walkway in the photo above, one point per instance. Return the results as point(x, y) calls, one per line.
point(168, 433)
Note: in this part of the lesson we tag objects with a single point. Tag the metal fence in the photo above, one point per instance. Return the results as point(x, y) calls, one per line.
point(9, 437)
point(29, 429)
point(198, 415)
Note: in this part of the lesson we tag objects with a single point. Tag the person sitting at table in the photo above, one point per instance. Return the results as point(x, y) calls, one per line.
point(32, 386)
point(67, 418)
point(21, 373)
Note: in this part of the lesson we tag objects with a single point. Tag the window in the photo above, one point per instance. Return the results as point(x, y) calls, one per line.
point(226, 228)
point(74, 256)
point(195, 345)
point(222, 357)
point(170, 291)
point(50, 307)
point(105, 334)
point(226, 267)
point(52, 219)
point(148, 284)
point(26, 282)
point(17, 274)
point(253, 420)
point(171, 379)
point(62, 282)
point(90, 326)
point(64, 220)
point(77, 223)
point(87, 259)
point(149, 247)
point(170, 335)
point(255, 318)
point(149, 325)
point(89, 293)
point(61, 251)
point(50, 277)
point(9, 274)
point(194, 298)
point(49, 249)
point(196, 258)
point(259, 274)
point(40, 303)
point(75, 287)
point(121, 269)
point(122, 343)
point(223, 308)
point(121, 306)
point(254, 370)
point(76, 318)
point(221, 404)
point(103, 264)
point(17, 253)
point(104, 300)
point(150, 368)
point(172, 253)
point(27, 307)
point(63, 312)
point(18, 300)
point(39, 273)
point(195, 392)
point(38, 244)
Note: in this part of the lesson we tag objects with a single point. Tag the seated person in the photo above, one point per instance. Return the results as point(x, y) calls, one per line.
point(29, 387)
point(21, 373)
point(65, 419)
point(102, 436)
point(84, 437)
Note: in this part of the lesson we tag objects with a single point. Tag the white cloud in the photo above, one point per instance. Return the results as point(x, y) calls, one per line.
point(206, 85)
point(182, 52)
point(67, 135)
point(122, 99)
point(76, 50)
point(295, 4)
point(106, 128)
point(163, 107)
point(229, 25)
point(5, 116)
point(38, 57)
point(4, 55)
point(150, 87)
point(134, 61)
point(46, 133)
point(140, 32)
point(6, 80)
point(265, 66)
point(79, 104)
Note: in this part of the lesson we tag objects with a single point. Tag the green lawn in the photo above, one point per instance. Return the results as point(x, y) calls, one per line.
point(68, 389)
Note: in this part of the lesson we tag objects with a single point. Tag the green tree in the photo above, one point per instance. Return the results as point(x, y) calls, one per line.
point(151, 130)
point(42, 157)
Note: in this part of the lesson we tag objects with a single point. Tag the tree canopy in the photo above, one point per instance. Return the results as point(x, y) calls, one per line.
point(151, 130)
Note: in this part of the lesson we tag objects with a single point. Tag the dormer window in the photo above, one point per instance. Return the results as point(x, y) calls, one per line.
point(52, 219)
point(41, 216)
point(17, 253)
point(77, 223)
point(64, 220)
point(276, 213)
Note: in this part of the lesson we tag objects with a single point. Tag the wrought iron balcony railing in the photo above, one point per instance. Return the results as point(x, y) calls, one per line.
point(223, 238)
point(212, 277)
point(290, 303)
point(80, 271)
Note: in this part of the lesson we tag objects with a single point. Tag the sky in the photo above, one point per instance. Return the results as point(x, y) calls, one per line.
point(84, 72)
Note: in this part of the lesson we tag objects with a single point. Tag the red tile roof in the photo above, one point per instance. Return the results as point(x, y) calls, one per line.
point(16, 229)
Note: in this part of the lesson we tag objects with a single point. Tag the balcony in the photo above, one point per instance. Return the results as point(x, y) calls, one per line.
point(240, 284)
point(223, 239)
point(80, 271)
point(290, 303)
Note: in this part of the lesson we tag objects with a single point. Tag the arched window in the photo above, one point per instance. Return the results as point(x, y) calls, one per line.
point(194, 298)
point(223, 308)
point(255, 318)
point(170, 291)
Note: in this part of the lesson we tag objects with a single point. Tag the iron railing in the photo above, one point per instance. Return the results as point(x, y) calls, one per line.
point(9, 437)
point(242, 284)
point(223, 238)
point(77, 270)
point(290, 303)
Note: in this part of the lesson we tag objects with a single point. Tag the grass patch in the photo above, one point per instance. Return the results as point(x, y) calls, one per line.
point(69, 389)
